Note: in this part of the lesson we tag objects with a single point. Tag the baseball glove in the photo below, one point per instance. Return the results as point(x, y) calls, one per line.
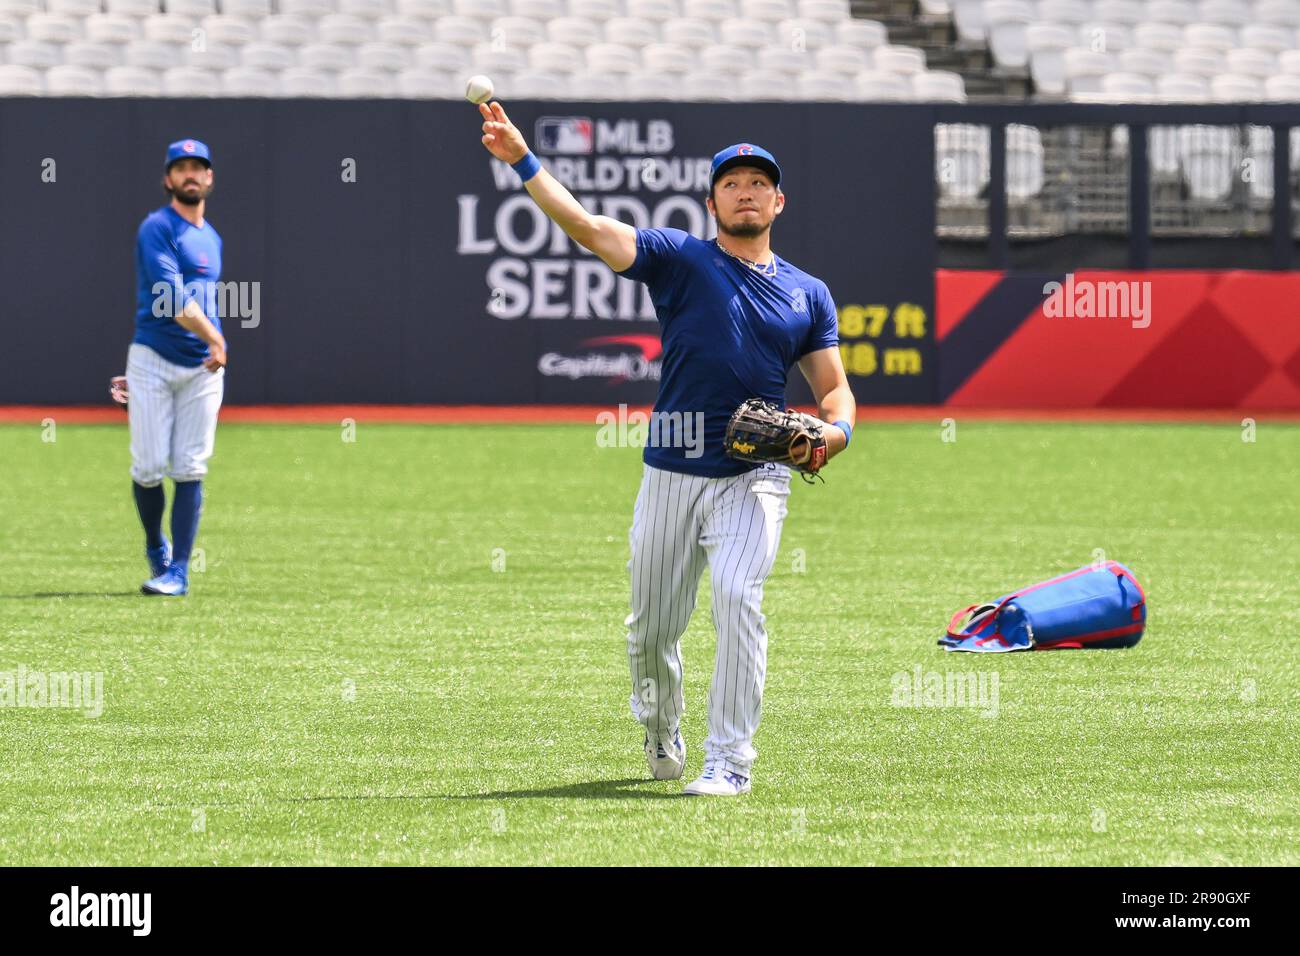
point(117, 389)
point(761, 432)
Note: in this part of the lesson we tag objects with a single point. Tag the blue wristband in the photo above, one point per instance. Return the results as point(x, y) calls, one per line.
point(528, 167)
point(845, 427)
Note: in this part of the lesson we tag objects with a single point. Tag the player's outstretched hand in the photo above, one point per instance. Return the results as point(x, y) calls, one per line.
point(216, 356)
point(500, 136)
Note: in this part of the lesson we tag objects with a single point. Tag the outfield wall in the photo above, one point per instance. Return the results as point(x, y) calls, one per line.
point(378, 254)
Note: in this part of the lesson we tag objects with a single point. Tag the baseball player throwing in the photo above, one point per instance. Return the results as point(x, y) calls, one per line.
point(734, 318)
point(176, 363)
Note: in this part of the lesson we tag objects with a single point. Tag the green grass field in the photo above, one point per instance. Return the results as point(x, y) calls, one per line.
point(350, 680)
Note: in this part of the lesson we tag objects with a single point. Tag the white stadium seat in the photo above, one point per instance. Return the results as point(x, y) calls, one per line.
point(233, 31)
point(1008, 21)
point(301, 82)
point(1158, 36)
point(1128, 87)
point(643, 85)
point(287, 31)
point(427, 9)
point(346, 29)
point(198, 9)
point(575, 31)
point(709, 86)
point(69, 80)
point(710, 9)
point(631, 32)
point(245, 81)
point(512, 31)
point(1024, 161)
point(747, 33)
point(1284, 13)
point(165, 28)
point(589, 85)
point(1284, 88)
point(310, 9)
point(796, 34)
point(53, 27)
point(1260, 64)
point(690, 33)
point(1183, 88)
point(899, 59)
point(93, 56)
point(420, 84)
point(1231, 13)
point(1176, 12)
point(1235, 88)
point(1200, 61)
point(366, 84)
point(537, 9)
point(1074, 12)
point(492, 59)
point(840, 58)
point(556, 58)
point(762, 85)
point(668, 58)
point(112, 28)
point(74, 8)
point(721, 57)
point(483, 9)
point(1205, 155)
point(406, 31)
point(33, 53)
point(781, 59)
point(381, 57)
point(439, 57)
point(968, 18)
point(656, 10)
point(189, 81)
point(820, 85)
point(773, 11)
point(1105, 37)
point(131, 81)
point(248, 9)
point(594, 10)
point(1146, 62)
point(867, 34)
point(612, 58)
point(1267, 36)
point(132, 8)
point(1129, 12)
point(211, 56)
point(267, 56)
point(878, 87)
point(1047, 44)
point(465, 31)
point(1209, 36)
point(1288, 61)
point(327, 57)
point(16, 80)
point(939, 86)
point(831, 11)
point(1084, 69)
point(150, 55)
point(539, 85)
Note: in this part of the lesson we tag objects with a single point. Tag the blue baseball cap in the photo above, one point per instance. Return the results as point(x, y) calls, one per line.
point(187, 149)
point(745, 154)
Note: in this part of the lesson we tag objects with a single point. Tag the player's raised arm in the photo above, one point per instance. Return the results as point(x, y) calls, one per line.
point(613, 241)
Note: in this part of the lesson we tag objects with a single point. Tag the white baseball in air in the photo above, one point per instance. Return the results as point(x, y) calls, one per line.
point(479, 89)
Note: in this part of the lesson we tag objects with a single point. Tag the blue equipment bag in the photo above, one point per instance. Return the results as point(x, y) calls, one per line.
point(1098, 606)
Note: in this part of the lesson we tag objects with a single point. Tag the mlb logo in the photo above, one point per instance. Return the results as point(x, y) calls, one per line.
point(565, 134)
point(799, 301)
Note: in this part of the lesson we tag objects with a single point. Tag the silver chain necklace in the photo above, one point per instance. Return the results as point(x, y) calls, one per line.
point(768, 270)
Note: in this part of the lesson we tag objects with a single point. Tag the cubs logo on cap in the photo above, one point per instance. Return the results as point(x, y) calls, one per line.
point(188, 149)
point(745, 154)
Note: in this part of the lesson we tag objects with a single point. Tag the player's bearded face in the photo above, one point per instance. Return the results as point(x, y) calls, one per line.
point(746, 202)
point(189, 181)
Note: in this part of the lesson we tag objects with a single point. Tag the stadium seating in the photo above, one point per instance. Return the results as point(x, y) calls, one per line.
point(544, 49)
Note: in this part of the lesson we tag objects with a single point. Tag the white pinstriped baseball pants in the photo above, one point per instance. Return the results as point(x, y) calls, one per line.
point(680, 524)
point(173, 414)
